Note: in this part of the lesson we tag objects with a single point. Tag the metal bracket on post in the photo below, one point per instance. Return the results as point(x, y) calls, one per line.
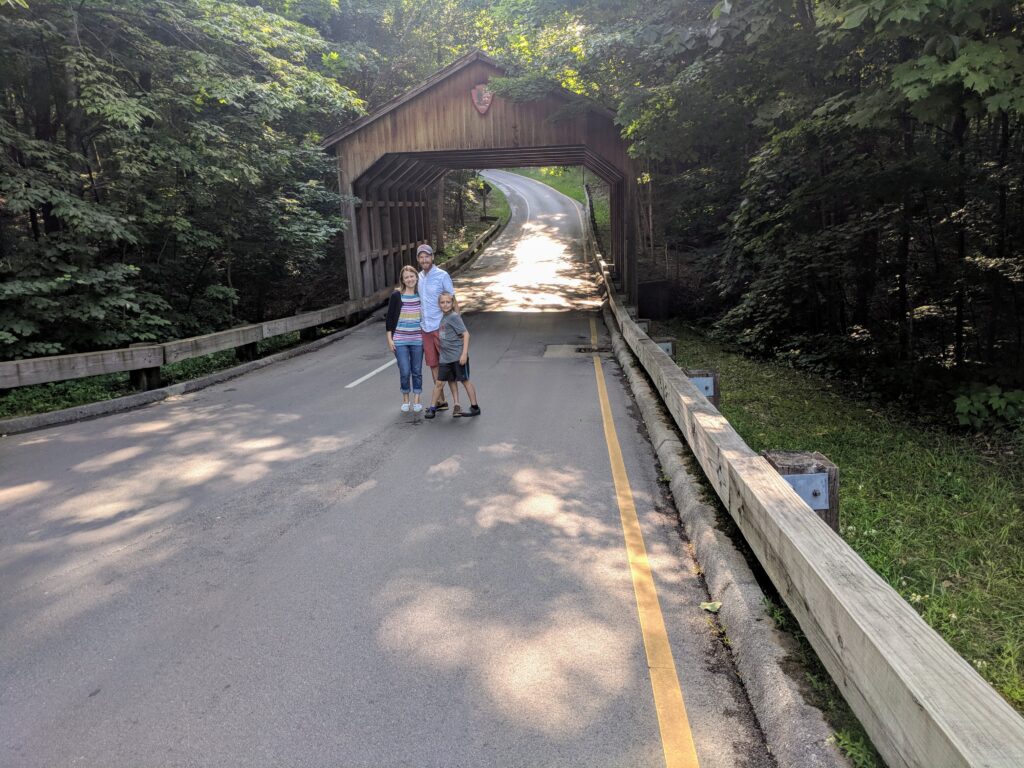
point(645, 324)
point(706, 380)
point(667, 343)
point(814, 478)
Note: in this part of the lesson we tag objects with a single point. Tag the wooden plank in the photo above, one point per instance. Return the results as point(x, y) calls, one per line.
point(197, 346)
point(921, 703)
point(42, 370)
point(296, 323)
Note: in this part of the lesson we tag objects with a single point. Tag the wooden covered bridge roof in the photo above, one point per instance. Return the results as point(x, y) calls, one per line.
point(393, 159)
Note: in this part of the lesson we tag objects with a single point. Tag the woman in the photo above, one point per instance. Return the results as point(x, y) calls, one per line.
point(405, 338)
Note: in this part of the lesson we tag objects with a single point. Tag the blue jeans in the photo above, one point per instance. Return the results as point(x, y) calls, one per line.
point(410, 365)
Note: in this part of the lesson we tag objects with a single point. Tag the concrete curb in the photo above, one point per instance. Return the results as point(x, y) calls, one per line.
point(796, 733)
point(128, 402)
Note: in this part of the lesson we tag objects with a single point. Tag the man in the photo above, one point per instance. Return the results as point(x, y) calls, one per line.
point(433, 282)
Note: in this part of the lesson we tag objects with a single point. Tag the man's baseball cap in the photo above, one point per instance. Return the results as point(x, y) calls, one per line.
point(424, 249)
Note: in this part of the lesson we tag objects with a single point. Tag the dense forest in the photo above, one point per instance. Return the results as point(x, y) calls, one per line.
point(845, 180)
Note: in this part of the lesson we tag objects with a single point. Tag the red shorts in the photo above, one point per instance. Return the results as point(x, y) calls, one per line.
point(432, 348)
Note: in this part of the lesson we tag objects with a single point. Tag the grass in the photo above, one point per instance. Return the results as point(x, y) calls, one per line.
point(931, 512)
point(566, 179)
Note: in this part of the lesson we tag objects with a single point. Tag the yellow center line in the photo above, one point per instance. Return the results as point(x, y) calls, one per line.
point(676, 738)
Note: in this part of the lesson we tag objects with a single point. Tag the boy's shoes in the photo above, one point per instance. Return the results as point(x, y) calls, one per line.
point(417, 407)
point(431, 412)
point(474, 410)
point(456, 411)
point(405, 407)
point(442, 406)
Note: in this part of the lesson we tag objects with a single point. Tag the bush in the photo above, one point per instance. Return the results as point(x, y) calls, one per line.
point(987, 408)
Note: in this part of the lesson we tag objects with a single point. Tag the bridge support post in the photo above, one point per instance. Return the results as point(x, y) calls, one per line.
point(350, 238)
point(438, 217)
point(813, 477)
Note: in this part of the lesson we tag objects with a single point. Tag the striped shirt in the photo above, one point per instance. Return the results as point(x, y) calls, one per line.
point(408, 330)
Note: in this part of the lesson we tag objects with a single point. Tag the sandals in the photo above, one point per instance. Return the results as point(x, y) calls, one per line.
point(456, 411)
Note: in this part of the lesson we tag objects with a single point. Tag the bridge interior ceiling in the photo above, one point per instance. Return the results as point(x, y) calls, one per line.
point(419, 170)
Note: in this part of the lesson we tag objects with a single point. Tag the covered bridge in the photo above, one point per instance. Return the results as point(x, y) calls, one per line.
point(393, 162)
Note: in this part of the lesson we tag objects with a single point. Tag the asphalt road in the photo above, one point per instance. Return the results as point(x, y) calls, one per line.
point(284, 570)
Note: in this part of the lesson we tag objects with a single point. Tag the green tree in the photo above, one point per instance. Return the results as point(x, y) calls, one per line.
point(161, 171)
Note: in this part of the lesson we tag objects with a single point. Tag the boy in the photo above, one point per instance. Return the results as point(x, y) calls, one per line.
point(453, 360)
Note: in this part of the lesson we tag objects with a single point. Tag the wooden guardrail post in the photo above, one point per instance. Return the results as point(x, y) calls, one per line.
point(814, 478)
point(246, 353)
point(706, 380)
point(144, 378)
point(309, 334)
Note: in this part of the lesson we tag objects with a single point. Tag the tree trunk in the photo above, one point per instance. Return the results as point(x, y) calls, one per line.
point(995, 277)
point(959, 132)
point(903, 250)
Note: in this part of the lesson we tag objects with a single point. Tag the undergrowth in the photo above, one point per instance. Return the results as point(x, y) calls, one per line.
point(934, 513)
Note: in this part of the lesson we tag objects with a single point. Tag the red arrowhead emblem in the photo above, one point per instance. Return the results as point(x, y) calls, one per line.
point(482, 97)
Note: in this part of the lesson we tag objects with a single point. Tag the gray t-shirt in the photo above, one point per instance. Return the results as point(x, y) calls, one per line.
point(452, 329)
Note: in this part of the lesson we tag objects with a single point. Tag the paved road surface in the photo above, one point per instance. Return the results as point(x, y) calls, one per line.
point(285, 571)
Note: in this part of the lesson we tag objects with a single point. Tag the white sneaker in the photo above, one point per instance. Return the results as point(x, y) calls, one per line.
point(405, 407)
point(417, 407)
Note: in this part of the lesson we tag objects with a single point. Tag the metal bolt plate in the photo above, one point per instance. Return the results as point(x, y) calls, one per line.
point(812, 488)
point(706, 384)
point(665, 345)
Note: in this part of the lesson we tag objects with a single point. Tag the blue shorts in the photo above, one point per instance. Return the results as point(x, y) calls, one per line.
point(453, 371)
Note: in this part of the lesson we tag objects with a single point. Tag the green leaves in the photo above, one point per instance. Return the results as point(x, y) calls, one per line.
point(987, 408)
point(154, 158)
point(855, 17)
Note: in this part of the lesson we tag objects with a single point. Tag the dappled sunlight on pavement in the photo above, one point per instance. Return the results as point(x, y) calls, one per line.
point(554, 660)
point(531, 269)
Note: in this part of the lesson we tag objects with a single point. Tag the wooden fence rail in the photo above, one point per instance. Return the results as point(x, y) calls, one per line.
point(40, 370)
point(922, 704)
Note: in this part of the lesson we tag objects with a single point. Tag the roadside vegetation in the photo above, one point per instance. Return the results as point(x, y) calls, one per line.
point(464, 207)
point(937, 515)
point(43, 398)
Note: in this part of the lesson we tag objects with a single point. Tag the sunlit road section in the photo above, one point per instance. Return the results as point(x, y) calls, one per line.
point(285, 570)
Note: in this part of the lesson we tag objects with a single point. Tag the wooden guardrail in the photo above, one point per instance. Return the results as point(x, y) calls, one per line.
point(921, 703)
point(40, 370)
